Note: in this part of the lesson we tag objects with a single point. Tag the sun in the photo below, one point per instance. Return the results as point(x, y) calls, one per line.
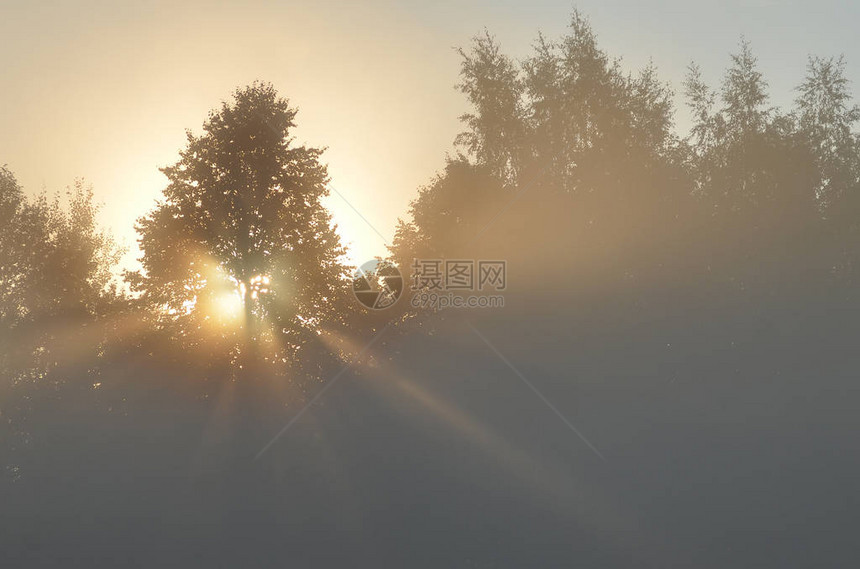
point(228, 305)
point(228, 297)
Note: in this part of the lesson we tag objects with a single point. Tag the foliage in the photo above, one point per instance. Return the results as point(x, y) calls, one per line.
point(241, 223)
point(56, 270)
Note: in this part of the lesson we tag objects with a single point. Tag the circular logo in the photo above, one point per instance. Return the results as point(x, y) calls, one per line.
point(377, 284)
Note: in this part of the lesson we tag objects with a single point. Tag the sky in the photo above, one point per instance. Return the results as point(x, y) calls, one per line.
point(105, 90)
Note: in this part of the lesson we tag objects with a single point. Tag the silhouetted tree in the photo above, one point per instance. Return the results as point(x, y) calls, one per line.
point(496, 127)
point(724, 140)
point(241, 228)
point(745, 97)
point(57, 302)
point(449, 213)
point(55, 271)
point(826, 119)
point(756, 176)
point(585, 113)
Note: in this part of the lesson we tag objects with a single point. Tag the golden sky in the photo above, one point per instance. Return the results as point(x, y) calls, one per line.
point(105, 90)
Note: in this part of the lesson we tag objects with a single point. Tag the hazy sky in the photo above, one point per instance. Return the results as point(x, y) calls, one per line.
point(105, 90)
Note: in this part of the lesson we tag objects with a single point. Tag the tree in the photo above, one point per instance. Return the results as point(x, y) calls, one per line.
point(585, 114)
point(11, 273)
point(726, 142)
point(496, 128)
point(240, 249)
point(57, 297)
point(708, 128)
point(826, 118)
point(756, 176)
point(56, 271)
point(449, 214)
point(744, 94)
point(573, 90)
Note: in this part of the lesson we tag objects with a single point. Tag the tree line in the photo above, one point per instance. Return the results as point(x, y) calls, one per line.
point(570, 167)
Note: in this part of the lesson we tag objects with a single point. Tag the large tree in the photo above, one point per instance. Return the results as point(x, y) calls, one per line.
point(240, 247)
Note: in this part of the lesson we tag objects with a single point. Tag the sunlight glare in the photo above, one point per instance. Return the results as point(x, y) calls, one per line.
point(229, 305)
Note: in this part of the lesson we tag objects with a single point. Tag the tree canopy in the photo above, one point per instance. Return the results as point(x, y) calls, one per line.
point(240, 247)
